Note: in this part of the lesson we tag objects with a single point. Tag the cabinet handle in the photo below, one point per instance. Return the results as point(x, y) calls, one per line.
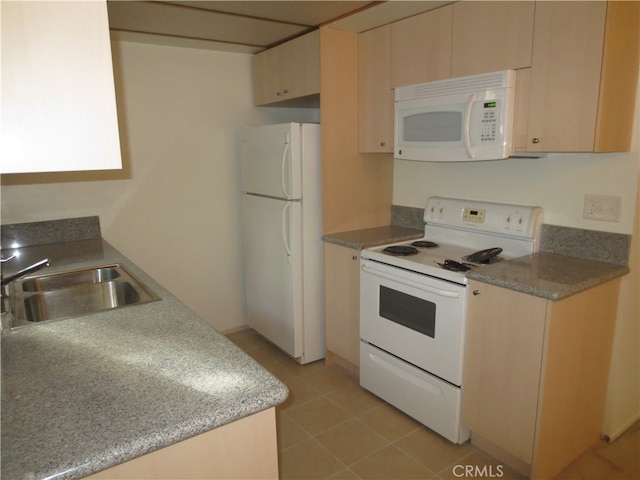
point(355, 257)
point(476, 292)
point(535, 140)
point(383, 144)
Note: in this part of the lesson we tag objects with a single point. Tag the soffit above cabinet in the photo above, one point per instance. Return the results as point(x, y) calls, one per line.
point(248, 26)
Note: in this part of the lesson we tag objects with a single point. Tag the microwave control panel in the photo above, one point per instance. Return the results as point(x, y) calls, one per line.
point(489, 122)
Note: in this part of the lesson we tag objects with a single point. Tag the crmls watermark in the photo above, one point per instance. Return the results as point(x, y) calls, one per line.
point(477, 471)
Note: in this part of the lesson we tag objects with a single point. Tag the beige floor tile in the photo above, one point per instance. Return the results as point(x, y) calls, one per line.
point(345, 474)
point(289, 432)
point(351, 441)
point(389, 422)
point(354, 399)
point(323, 427)
point(432, 450)
point(623, 452)
point(246, 339)
point(308, 460)
point(591, 467)
point(330, 379)
point(317, 415)
point(390, 463)
point(300, 392)
point(478, 465)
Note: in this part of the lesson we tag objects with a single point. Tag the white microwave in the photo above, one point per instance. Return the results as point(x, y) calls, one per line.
point(456, 120)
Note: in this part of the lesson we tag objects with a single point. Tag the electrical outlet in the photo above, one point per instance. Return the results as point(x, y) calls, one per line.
point(605, 208)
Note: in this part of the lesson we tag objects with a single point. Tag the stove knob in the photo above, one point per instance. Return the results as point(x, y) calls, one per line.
point(476, 292)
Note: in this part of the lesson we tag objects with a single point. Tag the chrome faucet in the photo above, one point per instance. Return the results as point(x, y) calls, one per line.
point(25, 271)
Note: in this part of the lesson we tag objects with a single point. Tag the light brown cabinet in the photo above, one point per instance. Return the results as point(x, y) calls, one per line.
point(535, 374)
point(583, 77)
point(342, 305)
point(220, 453)
point(491, 36)
point(288, 73)
point(375, 96)
point(58, 104)
point(421, 47)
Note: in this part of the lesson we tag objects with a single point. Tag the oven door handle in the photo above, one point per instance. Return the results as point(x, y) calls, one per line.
point(410, 283)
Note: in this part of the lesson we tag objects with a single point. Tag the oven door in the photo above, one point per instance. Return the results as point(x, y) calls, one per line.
point(417, 318)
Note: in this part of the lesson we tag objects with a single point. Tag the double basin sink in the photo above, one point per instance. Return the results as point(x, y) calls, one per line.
point(74, 293)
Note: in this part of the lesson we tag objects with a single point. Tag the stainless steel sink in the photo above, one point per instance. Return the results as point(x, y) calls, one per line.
point(79, 292)
point(70, 279)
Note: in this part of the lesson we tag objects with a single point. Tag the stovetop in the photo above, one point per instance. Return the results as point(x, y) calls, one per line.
point(427, 261)
point(460, 228)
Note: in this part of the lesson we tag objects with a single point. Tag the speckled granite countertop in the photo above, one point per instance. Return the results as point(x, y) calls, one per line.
point(81, 395)
point(369, 237)
point(548, 275)
point(544, 274)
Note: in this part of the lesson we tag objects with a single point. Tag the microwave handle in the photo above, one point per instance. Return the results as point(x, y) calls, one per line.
point(467, 125)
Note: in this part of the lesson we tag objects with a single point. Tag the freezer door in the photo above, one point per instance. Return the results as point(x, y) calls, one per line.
point(271, 160)
point(273, 270)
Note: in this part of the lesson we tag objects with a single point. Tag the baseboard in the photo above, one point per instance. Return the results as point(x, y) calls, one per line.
point(610, 437)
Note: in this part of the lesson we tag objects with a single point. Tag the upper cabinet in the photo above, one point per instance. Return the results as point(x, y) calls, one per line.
point(58, 98)
point(375, 96)
point(491, 36)
point(421, 47)
point(583, 77)
point(288, 73)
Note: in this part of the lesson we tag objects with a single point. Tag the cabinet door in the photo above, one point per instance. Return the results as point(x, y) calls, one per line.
point(503, 358)
point(565, 76)
point(301, 65)
point(421, 47)
point(375, 97)
point(58, 97)
point(287, 72)
point(342, 297)
point(491, 36)
point(266, 76)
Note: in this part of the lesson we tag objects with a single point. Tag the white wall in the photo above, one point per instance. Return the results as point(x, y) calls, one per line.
point(174, 210)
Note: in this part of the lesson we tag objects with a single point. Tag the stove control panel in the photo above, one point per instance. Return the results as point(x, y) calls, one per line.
point(475, 215)
point(490, 217)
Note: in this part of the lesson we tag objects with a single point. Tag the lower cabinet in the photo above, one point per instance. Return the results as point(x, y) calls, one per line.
point(246, 448)
point(535, 374)
point(342, 310)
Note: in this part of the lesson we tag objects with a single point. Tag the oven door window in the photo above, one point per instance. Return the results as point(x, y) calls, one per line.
point(408, 311)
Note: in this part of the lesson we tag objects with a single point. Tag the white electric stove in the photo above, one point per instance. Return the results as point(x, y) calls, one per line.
point(413, 304)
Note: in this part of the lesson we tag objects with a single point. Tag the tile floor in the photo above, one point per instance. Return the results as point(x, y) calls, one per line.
point(331, 428)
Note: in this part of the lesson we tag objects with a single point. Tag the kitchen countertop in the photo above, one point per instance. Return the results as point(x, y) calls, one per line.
point(84, 394)
point(548, 275)
point(543, 274)
point(369, 237)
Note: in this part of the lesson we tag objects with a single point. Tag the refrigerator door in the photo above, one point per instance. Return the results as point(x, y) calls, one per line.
point(273, 270)
point(271, 160)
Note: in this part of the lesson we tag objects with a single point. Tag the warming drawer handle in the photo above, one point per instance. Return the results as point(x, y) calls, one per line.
point(409, 283)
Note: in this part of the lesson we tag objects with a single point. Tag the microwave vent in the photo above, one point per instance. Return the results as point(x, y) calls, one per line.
point(453, 86)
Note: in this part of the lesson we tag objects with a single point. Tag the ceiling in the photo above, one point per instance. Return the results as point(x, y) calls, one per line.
point(248, 26)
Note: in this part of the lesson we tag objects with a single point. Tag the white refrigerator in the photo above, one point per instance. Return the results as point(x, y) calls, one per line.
point(282, 229)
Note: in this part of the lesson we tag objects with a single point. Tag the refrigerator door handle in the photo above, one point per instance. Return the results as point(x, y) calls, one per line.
point(283, 166)
point(285, 230)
